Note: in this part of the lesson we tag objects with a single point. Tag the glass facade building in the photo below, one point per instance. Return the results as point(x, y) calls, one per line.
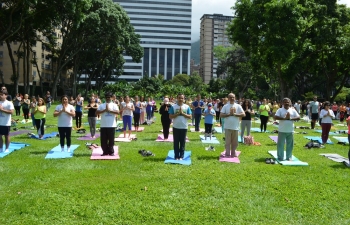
point(165, 29)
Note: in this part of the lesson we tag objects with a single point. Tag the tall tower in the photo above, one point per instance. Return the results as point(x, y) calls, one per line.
point(165, 29)
point(212, 33)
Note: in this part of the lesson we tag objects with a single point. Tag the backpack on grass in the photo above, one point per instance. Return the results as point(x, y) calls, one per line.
point(248, 140)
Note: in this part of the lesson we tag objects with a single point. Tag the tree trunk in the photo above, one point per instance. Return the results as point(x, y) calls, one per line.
point(14, 71)
point(28, 66)
point(24, 69)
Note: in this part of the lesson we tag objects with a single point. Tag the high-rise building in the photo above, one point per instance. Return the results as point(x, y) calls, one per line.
point(165, 29)
point(212, 33)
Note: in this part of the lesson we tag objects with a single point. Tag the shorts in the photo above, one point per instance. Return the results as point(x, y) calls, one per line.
point(5, 130)
point(314, 116)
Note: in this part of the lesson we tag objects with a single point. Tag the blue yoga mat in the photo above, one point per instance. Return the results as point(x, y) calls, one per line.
point(295, 161)
point(342, 139)
point(56, 152)
point(213, 140)
point(256, 129)
point(330, 133)
point(218, 129)
point(315, 138)
point(186, 160)
point(46, 136)
point(13, 147)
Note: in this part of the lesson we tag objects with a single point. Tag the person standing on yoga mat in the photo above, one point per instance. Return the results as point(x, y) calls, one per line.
point(314, 111)
point(127, 109)
point(247, 119)
point(79, 104)
point(348, 123)
point(137, 113)
point(264, 110)
point(25, 107)
point(108, 112)
point(33, 104)
point(6, 110)
point(92, 107)
point(65, 113)
point(232, 112)
point(165, 119)
point(39, 116)
point(180, 113)
point(197, 106)
point(286, 117)
point(209, 114)
point(17, 104)
point(326, 115)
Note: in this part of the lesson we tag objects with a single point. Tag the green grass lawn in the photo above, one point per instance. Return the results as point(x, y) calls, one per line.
point(137, 190)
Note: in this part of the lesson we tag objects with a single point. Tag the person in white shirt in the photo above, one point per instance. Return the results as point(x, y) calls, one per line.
point(326, 114)
point(65, 112)
point(286, 117)
point(108, 112)
point(297, 106)
point(232, 112)
point(180, 113)
point(6, 110)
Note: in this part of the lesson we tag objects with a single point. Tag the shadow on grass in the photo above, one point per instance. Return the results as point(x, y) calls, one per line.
point(39, 153)
point(208, 157)
point(82, 155)
point(339, 166)
point(152, 159)
point(260, 160)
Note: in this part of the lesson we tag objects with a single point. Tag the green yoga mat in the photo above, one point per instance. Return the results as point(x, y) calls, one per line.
point(295, 161)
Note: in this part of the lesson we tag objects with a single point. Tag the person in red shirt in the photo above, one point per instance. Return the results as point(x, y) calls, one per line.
point(342, 111)
point(335, 108)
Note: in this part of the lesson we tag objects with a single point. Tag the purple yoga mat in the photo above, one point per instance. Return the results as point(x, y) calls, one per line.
point(20, 132)
point(97, 152)
point(88, 137)
point(170, 138)
point(274, 138)
point(223, 158)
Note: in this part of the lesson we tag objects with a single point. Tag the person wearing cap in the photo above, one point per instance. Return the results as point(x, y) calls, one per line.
point(108, 112)
point(166, 121)
point(6, 110)
point(209, 114)
point(180, 113)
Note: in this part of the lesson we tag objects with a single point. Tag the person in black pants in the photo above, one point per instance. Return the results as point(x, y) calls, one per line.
point(25, 107)
point(166, 121)
point(137, 113)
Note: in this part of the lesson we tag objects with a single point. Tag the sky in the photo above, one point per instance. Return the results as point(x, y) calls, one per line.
point(201, 7)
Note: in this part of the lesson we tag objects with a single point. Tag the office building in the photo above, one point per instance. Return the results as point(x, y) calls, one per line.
point(165, 29)
point(212, 33)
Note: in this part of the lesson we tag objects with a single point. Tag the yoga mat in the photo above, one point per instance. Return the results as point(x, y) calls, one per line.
point(314, 138)
point(170, 130)
point(139, 130)
point(88, 137)
point(97, 152)
point(213, 140)
point(256, 129)
point(160, 138)
point(24, 121)
point(295, 161)
point(342, 139)
point(186, 160)
point(14, 133)
point(223, 158)
point(46, 136)
point(121, 138)
point(274, 138)
point(56, 152)
point(13, 147)
point(200, 130)
point(330, 133)
point(335, 157)
point(97, 122)
point(218, 129)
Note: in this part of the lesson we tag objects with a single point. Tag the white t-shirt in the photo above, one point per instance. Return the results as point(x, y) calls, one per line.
point(286, 126)
point(232, 122)
point(326, 119)
point(5, 118)
point(180, 122)
point(108, 119)
point(65, 120)
point(297, 107)
point(144, 104)
point(127, 112)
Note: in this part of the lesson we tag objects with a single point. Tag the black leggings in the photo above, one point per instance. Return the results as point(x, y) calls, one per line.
point(166, 127)
point(40, 126)
point(137, 119)
point(78, 116)
point(208, 128)
point(217, 115)
point(65, 132)
point(25, 113)
point(18, 110)
point(263, 120)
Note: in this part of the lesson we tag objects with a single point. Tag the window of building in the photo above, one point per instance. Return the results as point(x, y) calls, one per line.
point(161, 60)
point(184, 61)
point(169, 67)
point(177, 61)
point(154, 62)
point(146, 62)
point(0, 63)
point(1, 54)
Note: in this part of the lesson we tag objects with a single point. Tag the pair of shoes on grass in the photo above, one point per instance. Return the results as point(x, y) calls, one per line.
point(145, 153)
point(210, 148)
point(270, 161)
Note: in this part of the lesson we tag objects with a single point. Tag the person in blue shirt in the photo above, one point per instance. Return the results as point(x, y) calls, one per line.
point(78, 111)
point(180, 113)
point(209, 114)
point(197, 106)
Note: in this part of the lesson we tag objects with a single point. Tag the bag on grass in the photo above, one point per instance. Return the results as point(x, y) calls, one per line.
point(248, 140)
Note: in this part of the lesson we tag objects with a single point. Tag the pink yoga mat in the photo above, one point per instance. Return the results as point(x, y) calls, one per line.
point(170, 130)
point(231, 160)
point(274, 138)
point(97, 152)
point(170, 138)
point(121, 138)
point(88, 137)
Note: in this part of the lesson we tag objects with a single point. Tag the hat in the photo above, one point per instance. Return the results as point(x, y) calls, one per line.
point(210, 105)
point(166, 100)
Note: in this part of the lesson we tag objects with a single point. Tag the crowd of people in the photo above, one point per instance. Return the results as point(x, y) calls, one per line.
point(232, 114)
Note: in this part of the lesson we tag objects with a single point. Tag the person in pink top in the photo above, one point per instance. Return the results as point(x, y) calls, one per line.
point(335, 108)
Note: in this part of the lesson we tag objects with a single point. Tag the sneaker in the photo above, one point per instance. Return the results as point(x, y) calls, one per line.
point(104, 154)
point(6, 151)
point(68, 150)
point(112, 154)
